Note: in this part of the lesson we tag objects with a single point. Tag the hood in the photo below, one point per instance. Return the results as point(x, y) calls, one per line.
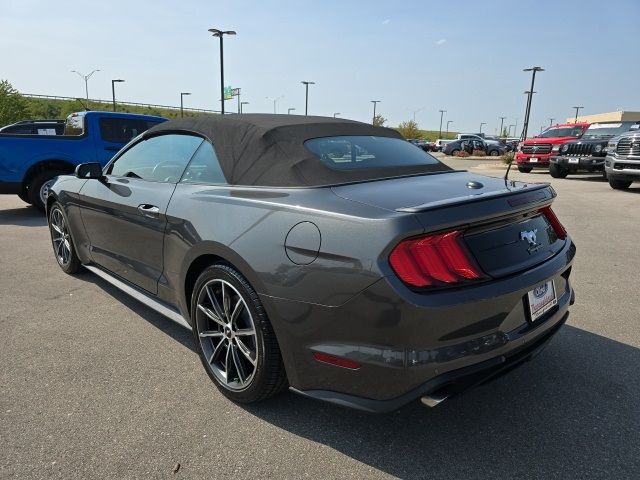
point(551, 140)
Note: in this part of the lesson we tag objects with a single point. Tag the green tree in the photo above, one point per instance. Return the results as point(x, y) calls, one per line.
point(379, 120)
point(409, 129)
point(13, 106)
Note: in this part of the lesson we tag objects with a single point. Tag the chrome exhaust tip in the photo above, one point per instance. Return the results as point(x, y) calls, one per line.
point(433, 399)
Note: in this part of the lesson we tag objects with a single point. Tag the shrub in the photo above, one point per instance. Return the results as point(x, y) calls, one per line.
point(462, 154)
point(507, 158)
point(479, 153)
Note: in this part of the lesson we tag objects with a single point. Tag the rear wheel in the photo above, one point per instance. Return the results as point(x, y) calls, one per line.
point(39, 188)
point(619, 184)
point(454, 152)
point(234, 337)
point(494, 153)
point(63, 247)
point(557, 171)
point(524, 169)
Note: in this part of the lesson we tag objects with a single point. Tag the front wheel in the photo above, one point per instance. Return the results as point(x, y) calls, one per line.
point(63, 247)
point(524, 169)
point(234, 337)
point(494, 153)
point(619, 184)
point(557, 171)
point(454, 152)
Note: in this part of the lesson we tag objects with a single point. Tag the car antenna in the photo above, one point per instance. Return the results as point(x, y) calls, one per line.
point(83, 105)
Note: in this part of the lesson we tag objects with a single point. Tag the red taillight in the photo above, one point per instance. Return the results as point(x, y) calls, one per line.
point(441, 259)
point(337, 361)
point(561, 232)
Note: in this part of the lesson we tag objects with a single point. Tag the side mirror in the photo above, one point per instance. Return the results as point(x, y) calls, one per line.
point(89, 170)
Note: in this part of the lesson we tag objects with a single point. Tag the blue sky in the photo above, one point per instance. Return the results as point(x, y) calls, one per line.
point(466, 56)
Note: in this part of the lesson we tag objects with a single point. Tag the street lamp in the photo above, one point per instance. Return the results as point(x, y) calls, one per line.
point(241, 106)
point(509, 129)
point(375, 102)
point(551, 121)
point(86, 80)
point(416, 111)
point(528, 110)
point(577, 110)
point(306, 95)
point(441, 114)
point(220, 34)
point(501, 124)
point(275, 100)
point(182, 94)
point(525, 128)
point(336, 114)
point(448, 122)
point(481, 124)
point(289, 110)
point(113, 91)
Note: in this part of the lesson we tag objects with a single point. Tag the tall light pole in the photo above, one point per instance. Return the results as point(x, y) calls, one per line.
point(289, 110)
point(336, 114)
point(577, 110)
point(481, 124)
point(113, 91)
point(525, 128)
point(501, 124)
point(306, 95)
point(534, 70)
point(241, 106)
point(448, 122)
point(551, 121)
point(86, 80)
point(275, 100)
point(220, 34)
point(442, 112)
point(375, 102)
point(182, 94)
point(416, 111)
point(509, 129)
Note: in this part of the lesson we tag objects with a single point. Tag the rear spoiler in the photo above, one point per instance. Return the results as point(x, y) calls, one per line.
point(528, 194)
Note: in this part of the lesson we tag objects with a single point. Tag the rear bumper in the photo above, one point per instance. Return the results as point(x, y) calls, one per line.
point(411, 344)
point(583, 163)
point(10, 187)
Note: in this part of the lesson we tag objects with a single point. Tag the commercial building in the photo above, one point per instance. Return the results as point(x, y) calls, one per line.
point(618, 116)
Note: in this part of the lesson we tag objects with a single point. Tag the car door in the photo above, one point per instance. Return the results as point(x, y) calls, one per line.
point(124, 214)
point(114, 133)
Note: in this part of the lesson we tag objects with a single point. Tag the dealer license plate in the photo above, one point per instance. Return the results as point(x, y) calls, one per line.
point(542, 299)
point(533, 160)
point(574, 160)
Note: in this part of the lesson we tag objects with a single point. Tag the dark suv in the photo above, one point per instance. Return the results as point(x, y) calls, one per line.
point(587, 153)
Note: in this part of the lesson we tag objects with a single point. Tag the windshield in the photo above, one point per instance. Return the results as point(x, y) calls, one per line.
point(562, 132)
point(364, 152)
point(608, 129)
point(74, 125)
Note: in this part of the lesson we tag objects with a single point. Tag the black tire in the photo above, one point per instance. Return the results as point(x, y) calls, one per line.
point(524, 169)
point(619, 184)
point(36, 185)
point(604, 175)
point(24, 197)
point(454, 153)
point(66, 257)
point(494, 153)
point(557, 171)
point(268, 377)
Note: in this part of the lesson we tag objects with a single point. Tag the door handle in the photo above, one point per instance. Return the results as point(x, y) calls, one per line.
point(150, 211)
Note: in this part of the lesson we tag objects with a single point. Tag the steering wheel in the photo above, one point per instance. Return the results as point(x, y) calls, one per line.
point(166, 164)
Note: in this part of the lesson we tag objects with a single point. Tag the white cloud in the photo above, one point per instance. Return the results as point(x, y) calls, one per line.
point(386, 21)
point(442, 41)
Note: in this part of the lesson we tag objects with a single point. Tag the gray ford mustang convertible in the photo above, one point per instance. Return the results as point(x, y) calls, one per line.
point(324, 254)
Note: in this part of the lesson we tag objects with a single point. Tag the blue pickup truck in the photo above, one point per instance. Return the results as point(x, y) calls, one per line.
point(30, 163)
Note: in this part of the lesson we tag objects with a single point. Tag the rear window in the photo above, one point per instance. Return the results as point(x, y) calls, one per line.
point(74, 125)
point(365, 152)
point(121, 130)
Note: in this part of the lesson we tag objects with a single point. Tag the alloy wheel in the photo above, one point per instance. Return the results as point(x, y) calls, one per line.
point(44, 190)
point(60, 237)
point(227, 334)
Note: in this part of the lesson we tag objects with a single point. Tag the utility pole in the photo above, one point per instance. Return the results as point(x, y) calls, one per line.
point(442, 112)
point(375, 102)
point(220, 34)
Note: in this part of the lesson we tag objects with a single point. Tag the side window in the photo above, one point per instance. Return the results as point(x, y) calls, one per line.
point(121, 130)
point(157, 159)
point(204, 167)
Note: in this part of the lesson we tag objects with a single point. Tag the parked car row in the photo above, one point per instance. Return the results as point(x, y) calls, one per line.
point(578, 147)
point(470, 145)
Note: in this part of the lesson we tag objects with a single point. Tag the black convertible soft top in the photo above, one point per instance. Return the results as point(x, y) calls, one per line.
point(268, 149)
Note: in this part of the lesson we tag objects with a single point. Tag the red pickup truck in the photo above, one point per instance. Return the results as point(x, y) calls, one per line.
point(535, 152)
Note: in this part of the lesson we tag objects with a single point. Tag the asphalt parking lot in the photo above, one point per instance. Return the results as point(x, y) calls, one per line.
point(96, 385)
